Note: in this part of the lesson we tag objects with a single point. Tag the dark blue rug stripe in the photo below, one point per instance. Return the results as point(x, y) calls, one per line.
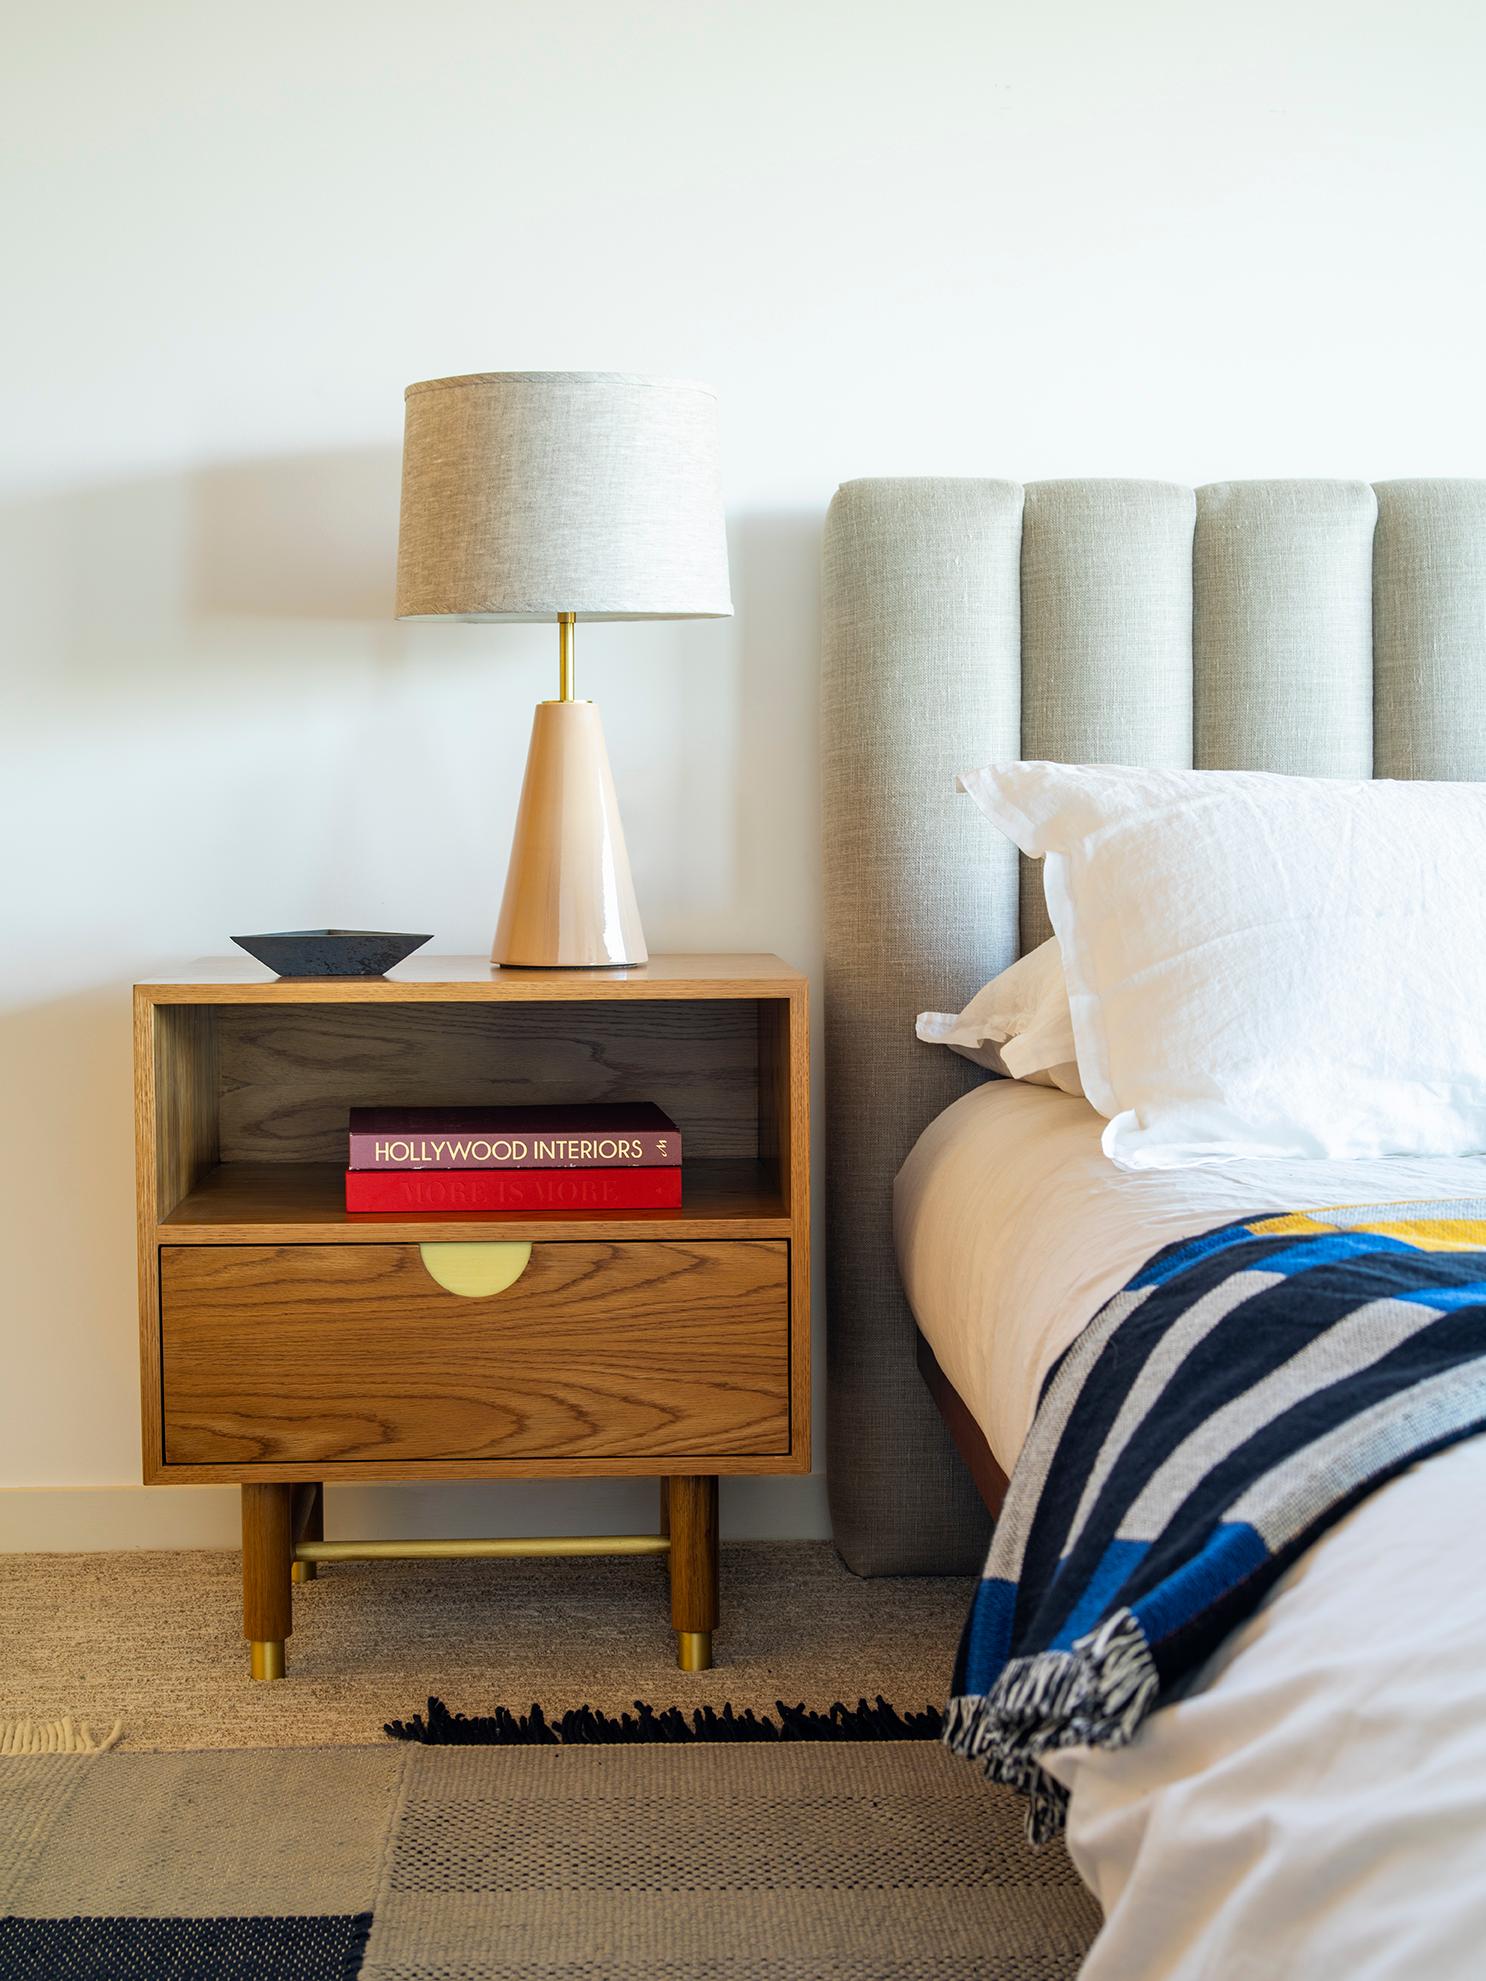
point(245, 1949)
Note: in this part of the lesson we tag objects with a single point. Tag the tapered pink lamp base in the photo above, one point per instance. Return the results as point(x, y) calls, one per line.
point(569, 900)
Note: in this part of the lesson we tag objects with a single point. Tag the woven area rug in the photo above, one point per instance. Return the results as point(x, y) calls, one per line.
point(155, 1640)
point(759, 1861)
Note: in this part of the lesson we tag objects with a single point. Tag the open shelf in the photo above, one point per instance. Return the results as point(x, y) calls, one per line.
point(269, 1203)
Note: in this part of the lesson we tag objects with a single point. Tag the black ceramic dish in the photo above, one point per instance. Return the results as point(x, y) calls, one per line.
point(331, 952)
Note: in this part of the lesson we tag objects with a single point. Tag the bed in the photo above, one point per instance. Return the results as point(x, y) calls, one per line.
point(1321, 628)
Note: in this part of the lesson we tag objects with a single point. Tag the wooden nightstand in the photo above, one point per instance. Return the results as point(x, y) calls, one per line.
point(285, 1343)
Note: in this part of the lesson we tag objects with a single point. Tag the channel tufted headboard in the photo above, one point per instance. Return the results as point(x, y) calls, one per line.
point(1327, 628)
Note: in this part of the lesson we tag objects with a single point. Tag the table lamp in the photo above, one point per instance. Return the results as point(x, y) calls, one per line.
point(563, 495)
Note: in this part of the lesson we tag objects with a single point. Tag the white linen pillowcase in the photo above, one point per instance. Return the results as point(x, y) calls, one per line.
point(1260, 965)
point(1017, 1025)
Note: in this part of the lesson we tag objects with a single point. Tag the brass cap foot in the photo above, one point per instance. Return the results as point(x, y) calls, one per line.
point(268, 1657)
point(694, 1650)
point(303, 1571)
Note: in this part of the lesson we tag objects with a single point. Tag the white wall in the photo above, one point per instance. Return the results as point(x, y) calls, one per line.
point(962, 236)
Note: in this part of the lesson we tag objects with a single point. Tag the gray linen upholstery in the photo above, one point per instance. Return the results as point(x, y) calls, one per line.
point(1282, 627)
point(1325, 628)
point(1106, 634)
point(919, 898)
point(1429, 630)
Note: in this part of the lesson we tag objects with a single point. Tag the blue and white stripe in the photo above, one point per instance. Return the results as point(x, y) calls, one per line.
point(1214, 1418)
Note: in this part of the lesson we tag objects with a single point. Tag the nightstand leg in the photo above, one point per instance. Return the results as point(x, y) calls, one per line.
point(309, 1525)
point(692, 1505)
point(268, 1543)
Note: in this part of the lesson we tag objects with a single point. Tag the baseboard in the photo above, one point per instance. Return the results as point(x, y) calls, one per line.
point(82, 1519)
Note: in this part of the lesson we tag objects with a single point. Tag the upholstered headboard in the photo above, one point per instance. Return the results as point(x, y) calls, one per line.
point(1320, 627)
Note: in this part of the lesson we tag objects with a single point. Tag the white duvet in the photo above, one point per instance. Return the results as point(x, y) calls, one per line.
point(1316, 1806)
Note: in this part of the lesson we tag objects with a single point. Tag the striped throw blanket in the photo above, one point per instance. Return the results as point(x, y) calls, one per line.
point(1243, 1392)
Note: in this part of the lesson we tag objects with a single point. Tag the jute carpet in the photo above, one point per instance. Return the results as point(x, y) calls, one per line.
point(154, 1641)
point(247, 1832)
point(858, 1862)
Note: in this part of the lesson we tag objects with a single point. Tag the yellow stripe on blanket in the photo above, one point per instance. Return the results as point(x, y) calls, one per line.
point(1435, 1234)
point(1288, 1224)
point(1424, 1234)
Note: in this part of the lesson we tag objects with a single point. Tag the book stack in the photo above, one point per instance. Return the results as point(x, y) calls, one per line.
point(603, 1157)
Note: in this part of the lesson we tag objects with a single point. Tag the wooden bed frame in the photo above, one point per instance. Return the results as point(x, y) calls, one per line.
point(970, 1440)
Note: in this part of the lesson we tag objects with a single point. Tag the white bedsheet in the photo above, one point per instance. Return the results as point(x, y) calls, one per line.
point(1014, 1228)
point(1316, 1807)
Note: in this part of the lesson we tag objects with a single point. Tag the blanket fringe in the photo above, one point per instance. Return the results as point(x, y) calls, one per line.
point(65, 1736)
point(1095, 1695)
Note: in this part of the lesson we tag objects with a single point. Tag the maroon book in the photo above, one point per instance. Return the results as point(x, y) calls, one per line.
point(412, 1191)
point(599, 1135)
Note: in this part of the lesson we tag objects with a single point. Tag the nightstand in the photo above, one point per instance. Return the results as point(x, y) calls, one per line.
point(286, 1344)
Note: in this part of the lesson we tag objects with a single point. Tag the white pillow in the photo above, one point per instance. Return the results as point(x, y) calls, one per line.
point(1018, 1024)
point(1261, 965)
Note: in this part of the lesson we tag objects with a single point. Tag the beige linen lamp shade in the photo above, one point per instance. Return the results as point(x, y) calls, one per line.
point(563, 495)
point(526, 494)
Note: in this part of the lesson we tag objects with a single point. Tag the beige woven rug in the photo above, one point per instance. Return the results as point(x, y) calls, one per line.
point(852, 1862)
point(155, 1641)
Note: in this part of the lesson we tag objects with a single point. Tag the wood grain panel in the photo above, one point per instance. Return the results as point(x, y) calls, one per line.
point(268, 1548)
point(774, 1095)
point(434, 979)
point(691, 1522)
point(184, 1046)
point(311, 1354)
point(289, 1073)
point(795, 1093)
point(175, 1145)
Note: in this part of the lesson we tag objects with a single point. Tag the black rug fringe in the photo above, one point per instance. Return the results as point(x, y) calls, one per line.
point(582, 1726)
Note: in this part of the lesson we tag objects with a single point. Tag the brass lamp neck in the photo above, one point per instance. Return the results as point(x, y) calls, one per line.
point(566, 628)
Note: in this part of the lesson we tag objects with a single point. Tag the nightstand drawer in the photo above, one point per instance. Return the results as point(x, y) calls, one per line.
point(300, 1353)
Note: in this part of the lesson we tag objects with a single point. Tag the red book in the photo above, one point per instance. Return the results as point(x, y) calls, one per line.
point(598, 1135)
point(413, 1191)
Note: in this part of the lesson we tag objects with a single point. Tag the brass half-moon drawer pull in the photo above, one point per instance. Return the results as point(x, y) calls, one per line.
point(476, 1271)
